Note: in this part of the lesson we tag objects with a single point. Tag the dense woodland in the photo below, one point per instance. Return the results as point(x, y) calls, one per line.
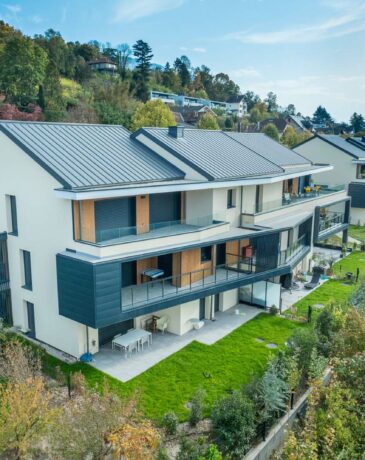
point(47, 78)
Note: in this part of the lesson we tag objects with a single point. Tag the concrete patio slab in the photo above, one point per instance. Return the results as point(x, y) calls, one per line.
point(114, 363)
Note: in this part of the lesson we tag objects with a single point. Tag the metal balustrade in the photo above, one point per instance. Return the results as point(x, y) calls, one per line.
point(330, 220)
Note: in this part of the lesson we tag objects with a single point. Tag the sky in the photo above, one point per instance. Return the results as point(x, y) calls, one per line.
point(307, 52)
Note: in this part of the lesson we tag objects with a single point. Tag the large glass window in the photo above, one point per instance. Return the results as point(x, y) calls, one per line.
point(12, 215)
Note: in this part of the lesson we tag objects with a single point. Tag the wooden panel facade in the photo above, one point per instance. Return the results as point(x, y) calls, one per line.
point(143, 213)
point(88, 220)
point(144, 264)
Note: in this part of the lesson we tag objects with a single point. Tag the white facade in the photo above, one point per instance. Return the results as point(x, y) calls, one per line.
point(344, 171)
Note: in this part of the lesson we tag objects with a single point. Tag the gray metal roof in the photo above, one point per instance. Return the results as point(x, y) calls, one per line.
point(270, 149)
point(213, 153)
point(80, 155)
point(344, 144)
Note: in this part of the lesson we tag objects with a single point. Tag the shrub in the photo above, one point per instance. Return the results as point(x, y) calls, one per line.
point(170, 423)
point(317, 365)
point(325, 329)
point(191, 449)
point(302, 343)
point(274, 393)
point(234, 424)
point(197, 407)
point(274, 310)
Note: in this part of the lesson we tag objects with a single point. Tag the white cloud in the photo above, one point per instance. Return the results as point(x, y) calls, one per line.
point(14, 8)
point(183, 48)
point(246, 72)
point(350, 18)
point(199, 50)
point(131, 10)
point(36, 19)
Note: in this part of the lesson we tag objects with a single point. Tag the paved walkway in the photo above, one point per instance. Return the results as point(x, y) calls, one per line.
point(115, 364)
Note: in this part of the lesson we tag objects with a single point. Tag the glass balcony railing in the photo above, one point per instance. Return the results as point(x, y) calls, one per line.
point(330, 220)
point(166, 228)
point(292, 251)
point(172, 286)
point(288, 199)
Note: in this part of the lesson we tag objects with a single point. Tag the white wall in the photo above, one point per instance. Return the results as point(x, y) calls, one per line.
point(45, 228)
point(232, 215)
point(228, 299)
point(198, 204)
point(249, 199)
point(272, 195)
point(358, 216)
point(319, 151)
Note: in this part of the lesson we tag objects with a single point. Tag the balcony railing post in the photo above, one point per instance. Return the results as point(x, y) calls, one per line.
point(147, 291)
point(132, 297)
point(203, 276)
point(190, 281)
point(215, 275)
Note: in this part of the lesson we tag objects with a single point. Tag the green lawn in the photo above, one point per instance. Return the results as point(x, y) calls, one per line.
point(357, 232)
point(335, 290)
point(228, 364)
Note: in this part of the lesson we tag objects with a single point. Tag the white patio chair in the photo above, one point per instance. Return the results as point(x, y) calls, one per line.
point(115, 345)
point(131, 348)
point(162, 323)
point(145, 339)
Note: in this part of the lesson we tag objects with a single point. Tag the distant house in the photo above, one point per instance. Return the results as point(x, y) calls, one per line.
point(237, 106)
point(348, 158)
point(281, 124)
point(103, 65)
point(190, 114)
point(187, 101)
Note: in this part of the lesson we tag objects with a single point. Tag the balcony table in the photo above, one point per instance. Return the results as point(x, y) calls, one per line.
point(131, 337)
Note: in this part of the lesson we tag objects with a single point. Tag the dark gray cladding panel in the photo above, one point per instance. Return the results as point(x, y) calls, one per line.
point(357, 194)
point(76, 297)
point(267, 250)
point(108, 293)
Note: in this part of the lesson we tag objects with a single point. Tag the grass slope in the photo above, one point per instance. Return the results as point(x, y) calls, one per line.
point(335, 290)
point(357, 232)
point(229, 363)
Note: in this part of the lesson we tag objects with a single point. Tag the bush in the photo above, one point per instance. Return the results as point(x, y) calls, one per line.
point(274, 310)
point(233, 421)
point(170, 423)
point(197, 407)
point(302, 343)
point(325, 329)
point(193, 449)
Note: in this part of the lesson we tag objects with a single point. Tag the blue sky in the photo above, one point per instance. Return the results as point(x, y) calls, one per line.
point(308, 52)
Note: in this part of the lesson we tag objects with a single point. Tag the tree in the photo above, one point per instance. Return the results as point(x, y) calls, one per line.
point(321, 116)
point(274, 394)
point(255, 115)
point(143, 54)
point(22, 69)
point(208, 121)
point(271, 101)
point(251, 99)
point(272, 131)
point(290, 110)
point(228, 123)
point(233, 421)
point(357, 122)
point(153, 113)
point(289, 137)
point(124, 53)
point(182, 69)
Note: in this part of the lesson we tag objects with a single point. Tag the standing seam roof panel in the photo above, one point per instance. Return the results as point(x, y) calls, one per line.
point(90, 155)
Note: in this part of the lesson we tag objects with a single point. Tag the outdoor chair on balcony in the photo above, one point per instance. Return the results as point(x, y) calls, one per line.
point(162, 323)
point(287, 198)
point(317, 272)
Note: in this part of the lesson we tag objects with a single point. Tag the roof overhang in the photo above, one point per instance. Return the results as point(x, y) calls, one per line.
point(359, 161)
point(146, 189)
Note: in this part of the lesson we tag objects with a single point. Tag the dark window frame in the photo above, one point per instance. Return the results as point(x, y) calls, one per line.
point(14, 216)
point(359, 173)
point(230, 199)
point(27, 266)
point(205, 254)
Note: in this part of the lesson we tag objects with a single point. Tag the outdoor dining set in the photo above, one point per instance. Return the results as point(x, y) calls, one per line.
point(133, 340)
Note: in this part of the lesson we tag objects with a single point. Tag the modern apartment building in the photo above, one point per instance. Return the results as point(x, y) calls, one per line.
point(347, 155)
point(100, 229)
point(187, 101)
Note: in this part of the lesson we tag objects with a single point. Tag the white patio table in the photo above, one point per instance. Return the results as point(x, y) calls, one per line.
point(131, 337)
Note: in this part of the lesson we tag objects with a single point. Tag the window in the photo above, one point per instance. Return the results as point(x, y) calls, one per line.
point(27, 271)
point(206, 254)
point(360, 172)
point(12, 215)
point(230, 198)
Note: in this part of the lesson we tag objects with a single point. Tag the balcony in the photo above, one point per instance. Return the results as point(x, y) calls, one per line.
point(290, 254)
point(310, 193)
point(330, 221)
point(158, 230)
point(173, 286)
